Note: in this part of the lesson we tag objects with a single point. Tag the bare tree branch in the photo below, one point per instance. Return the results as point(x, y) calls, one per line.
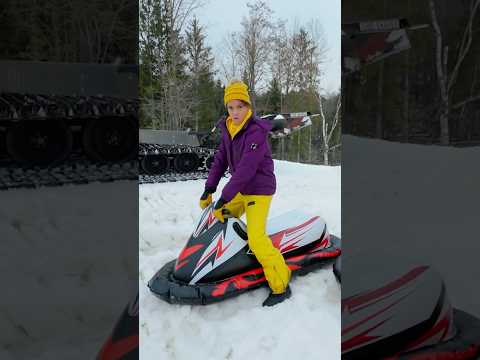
point(447, 81)
point(466, 101)
point(439, 48)
point(335, 118)
point(229, 61)
point(466, 43)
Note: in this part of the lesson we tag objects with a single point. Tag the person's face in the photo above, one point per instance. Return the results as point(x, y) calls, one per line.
point(237, 110)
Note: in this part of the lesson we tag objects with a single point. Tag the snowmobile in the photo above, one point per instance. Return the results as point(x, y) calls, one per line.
point(217, 264)
point(123, 343)
point(403, 312)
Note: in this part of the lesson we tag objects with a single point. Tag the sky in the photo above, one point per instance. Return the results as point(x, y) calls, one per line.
point(220, 17)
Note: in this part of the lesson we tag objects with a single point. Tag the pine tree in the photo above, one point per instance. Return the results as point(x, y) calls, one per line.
point(166, 102)
point(200, 65)
point(273, 97)
point(306, 63)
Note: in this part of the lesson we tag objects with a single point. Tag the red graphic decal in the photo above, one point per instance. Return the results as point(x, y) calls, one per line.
point(322, 244)
point(321, 254)
point(292, 243)
point(207, 221)
point(361, 338)
point(326, 254)
point(362, 321)
point(219, 249)
point(468, 354)
point(277, 237)
point(442, 325)
point(117, 350)
point(239, 281)
point(186, 252)
point(211, 218)
point(181, 264)
point(355, 301)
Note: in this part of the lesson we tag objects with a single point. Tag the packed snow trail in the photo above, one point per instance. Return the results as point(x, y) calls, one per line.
point(240, 327)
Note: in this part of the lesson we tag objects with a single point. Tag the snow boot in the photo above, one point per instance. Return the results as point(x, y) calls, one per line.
point(274, 299)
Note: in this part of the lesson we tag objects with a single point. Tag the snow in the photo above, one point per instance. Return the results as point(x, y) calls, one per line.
point(432, 208)
point(415, 203)
point(69, 285)
point(239, 328)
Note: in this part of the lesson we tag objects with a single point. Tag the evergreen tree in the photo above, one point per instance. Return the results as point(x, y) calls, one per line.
point(273, 98)
point(164, 76)
point(200, 65)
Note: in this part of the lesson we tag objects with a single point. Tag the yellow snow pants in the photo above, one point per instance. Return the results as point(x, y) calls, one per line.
point(256, 208)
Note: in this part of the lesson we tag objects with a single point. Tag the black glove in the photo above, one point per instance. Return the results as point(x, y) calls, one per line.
point(205, 195)
point(219, 204)
point(218, 210)
point(206, 198)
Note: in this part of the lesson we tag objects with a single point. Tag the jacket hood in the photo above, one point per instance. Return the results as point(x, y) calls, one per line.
point(264, 124)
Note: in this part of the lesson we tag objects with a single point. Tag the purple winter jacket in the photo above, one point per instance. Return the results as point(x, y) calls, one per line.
point(249, 158)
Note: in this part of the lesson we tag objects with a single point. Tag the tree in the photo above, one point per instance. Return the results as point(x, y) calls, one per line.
point(447, 75)
point(329, 127)
point(72, 31)
point(200, 64)
point(253, 47)
point(308, 52)
point(150, 37)
point(167, 98)
point(306, 68)
point(273, 97)
point(227, 58)
point(200, 60)
point(280, 62)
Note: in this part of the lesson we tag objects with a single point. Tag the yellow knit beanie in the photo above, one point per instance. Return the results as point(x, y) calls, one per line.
point(236, 90)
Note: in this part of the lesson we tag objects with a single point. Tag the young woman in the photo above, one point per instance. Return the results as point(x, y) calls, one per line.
point(244, 149)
